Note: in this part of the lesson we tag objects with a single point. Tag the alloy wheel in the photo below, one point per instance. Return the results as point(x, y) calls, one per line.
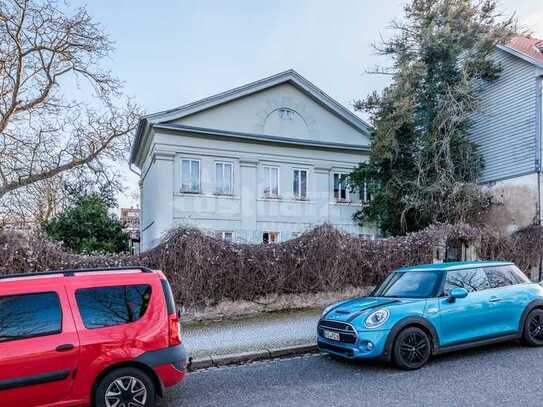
point(126, 391)
point(536, 327)
point(414, 349)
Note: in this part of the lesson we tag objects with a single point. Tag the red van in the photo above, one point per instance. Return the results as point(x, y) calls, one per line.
point(101, 337)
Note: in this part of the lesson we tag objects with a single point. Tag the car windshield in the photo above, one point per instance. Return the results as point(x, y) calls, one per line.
point(410, 284)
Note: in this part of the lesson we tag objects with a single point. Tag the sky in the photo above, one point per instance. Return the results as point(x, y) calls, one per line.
point(169, 53)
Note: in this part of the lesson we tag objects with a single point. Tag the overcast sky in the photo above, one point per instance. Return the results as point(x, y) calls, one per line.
point(173, 52)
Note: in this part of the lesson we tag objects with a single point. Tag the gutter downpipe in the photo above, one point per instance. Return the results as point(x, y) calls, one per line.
point(539, 146)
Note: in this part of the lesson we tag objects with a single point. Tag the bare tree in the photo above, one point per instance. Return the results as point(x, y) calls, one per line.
point(46, 54)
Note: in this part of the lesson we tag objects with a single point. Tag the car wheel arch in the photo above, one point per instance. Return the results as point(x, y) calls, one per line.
point(535, 304)
point(417, 322)
point(141, 366)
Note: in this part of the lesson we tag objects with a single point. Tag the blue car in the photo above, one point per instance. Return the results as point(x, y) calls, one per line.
point(420, 311)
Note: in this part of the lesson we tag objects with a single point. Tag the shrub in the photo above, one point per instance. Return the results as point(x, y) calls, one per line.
point(206, 270)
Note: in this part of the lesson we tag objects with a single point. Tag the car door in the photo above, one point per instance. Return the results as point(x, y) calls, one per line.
point(470, 318)
point(508, 297)
point(38, 346)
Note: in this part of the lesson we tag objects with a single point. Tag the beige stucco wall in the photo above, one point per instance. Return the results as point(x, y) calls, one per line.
point(516, 203)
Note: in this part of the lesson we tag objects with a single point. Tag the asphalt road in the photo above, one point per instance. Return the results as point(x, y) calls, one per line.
point(500, 375)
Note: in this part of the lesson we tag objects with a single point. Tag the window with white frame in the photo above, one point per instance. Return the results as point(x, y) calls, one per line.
point(299, 184)
point(271, 181)
point(224, 178)
point(225, 235)
point(190, 175)
point(366, 192)
point(270, 237)
point(341, 194)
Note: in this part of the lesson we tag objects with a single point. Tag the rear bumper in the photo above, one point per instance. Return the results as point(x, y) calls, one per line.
point(170, 363)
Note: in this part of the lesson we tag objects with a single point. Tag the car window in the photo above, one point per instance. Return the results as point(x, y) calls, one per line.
point(109, 306)
point(29, 315)
point(410, 284)
point(471, 280)
point(503, 276)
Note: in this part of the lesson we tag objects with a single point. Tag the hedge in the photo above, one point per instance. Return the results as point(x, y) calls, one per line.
point(207, 270)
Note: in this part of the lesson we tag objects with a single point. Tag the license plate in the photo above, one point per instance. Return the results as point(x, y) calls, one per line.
point(331, 335)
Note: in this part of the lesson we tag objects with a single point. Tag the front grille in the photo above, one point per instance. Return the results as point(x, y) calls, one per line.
point(337, 349)
point(335, 326)
point(345, 331)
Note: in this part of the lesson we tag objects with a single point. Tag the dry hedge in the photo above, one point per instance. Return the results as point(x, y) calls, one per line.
point(206, 270)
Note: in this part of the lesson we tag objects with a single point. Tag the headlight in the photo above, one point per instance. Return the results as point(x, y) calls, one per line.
point(377, 318)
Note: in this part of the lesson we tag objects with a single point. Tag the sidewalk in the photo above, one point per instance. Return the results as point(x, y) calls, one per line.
point(265, 332)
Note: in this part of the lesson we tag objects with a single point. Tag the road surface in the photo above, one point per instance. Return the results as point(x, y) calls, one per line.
point(500, 375)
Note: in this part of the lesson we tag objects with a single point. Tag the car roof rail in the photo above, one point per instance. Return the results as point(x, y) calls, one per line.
point(71, 272)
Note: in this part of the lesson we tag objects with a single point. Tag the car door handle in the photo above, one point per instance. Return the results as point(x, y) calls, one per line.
point(65, 347)
point(494, 299)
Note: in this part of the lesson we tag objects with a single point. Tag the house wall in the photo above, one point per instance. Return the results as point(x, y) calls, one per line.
point(516, 203)
point(258, 113)
point(506, 127)
point(246, 212)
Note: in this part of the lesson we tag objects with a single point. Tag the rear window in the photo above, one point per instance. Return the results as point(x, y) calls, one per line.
point(29, 315)
point(109, 306)
point(503, 276)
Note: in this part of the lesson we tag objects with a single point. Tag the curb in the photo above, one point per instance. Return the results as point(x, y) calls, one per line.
point(247, 357)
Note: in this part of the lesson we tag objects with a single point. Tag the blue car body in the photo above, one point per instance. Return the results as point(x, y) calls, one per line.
point(499, 298)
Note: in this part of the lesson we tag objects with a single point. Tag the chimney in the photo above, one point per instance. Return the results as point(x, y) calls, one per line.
point(539, 46)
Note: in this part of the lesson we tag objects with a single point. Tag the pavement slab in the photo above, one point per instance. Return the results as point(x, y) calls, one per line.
point(262, 333)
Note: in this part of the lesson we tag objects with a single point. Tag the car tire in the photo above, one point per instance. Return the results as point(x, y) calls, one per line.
point(533, 328)
point(412, 348)
point(128, 384)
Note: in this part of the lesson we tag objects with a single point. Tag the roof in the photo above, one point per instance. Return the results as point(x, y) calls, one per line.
point(528, 49)
point(260, 137)
point(460, 265)
point(289, 76)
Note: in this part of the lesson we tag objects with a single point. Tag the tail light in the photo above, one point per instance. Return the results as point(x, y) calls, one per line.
point(174, 330)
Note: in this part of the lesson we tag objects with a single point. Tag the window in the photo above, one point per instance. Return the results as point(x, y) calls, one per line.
point(340, 187)
point(228, 236)
point(471, 280)
point(299, 184)
point(286, 114)
point(504, 276)
point(29, 315)
point(410, 284)
point(109, 306)
point(271, 181)
point(224, 178)
point(366, 192)
point(190, 176)
point(270, 237)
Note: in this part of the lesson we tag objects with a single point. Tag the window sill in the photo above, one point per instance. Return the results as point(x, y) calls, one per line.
point(272, 197)
point(190, 192)
point(343, 202)
point(228, 195)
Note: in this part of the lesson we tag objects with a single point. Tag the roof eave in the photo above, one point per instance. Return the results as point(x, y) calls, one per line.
point(261, 137)
point(520, 55)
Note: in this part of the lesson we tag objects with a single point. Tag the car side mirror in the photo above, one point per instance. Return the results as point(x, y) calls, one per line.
point(456, 293)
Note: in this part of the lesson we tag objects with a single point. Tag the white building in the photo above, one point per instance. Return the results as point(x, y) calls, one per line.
point(258, 163)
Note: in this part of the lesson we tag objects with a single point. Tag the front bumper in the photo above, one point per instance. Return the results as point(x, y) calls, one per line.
point(369, 344)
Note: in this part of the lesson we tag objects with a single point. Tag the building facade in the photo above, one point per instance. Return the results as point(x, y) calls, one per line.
point(508, 130)
point(259, 163)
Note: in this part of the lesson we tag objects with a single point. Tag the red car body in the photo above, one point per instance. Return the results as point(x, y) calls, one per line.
point(63, 368)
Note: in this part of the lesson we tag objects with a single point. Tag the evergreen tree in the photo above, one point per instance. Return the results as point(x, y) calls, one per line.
point(423, 168)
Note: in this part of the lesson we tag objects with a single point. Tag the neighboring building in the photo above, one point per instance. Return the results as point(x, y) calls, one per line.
point(130, 219)
point(258, 163)
point(508, 131)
